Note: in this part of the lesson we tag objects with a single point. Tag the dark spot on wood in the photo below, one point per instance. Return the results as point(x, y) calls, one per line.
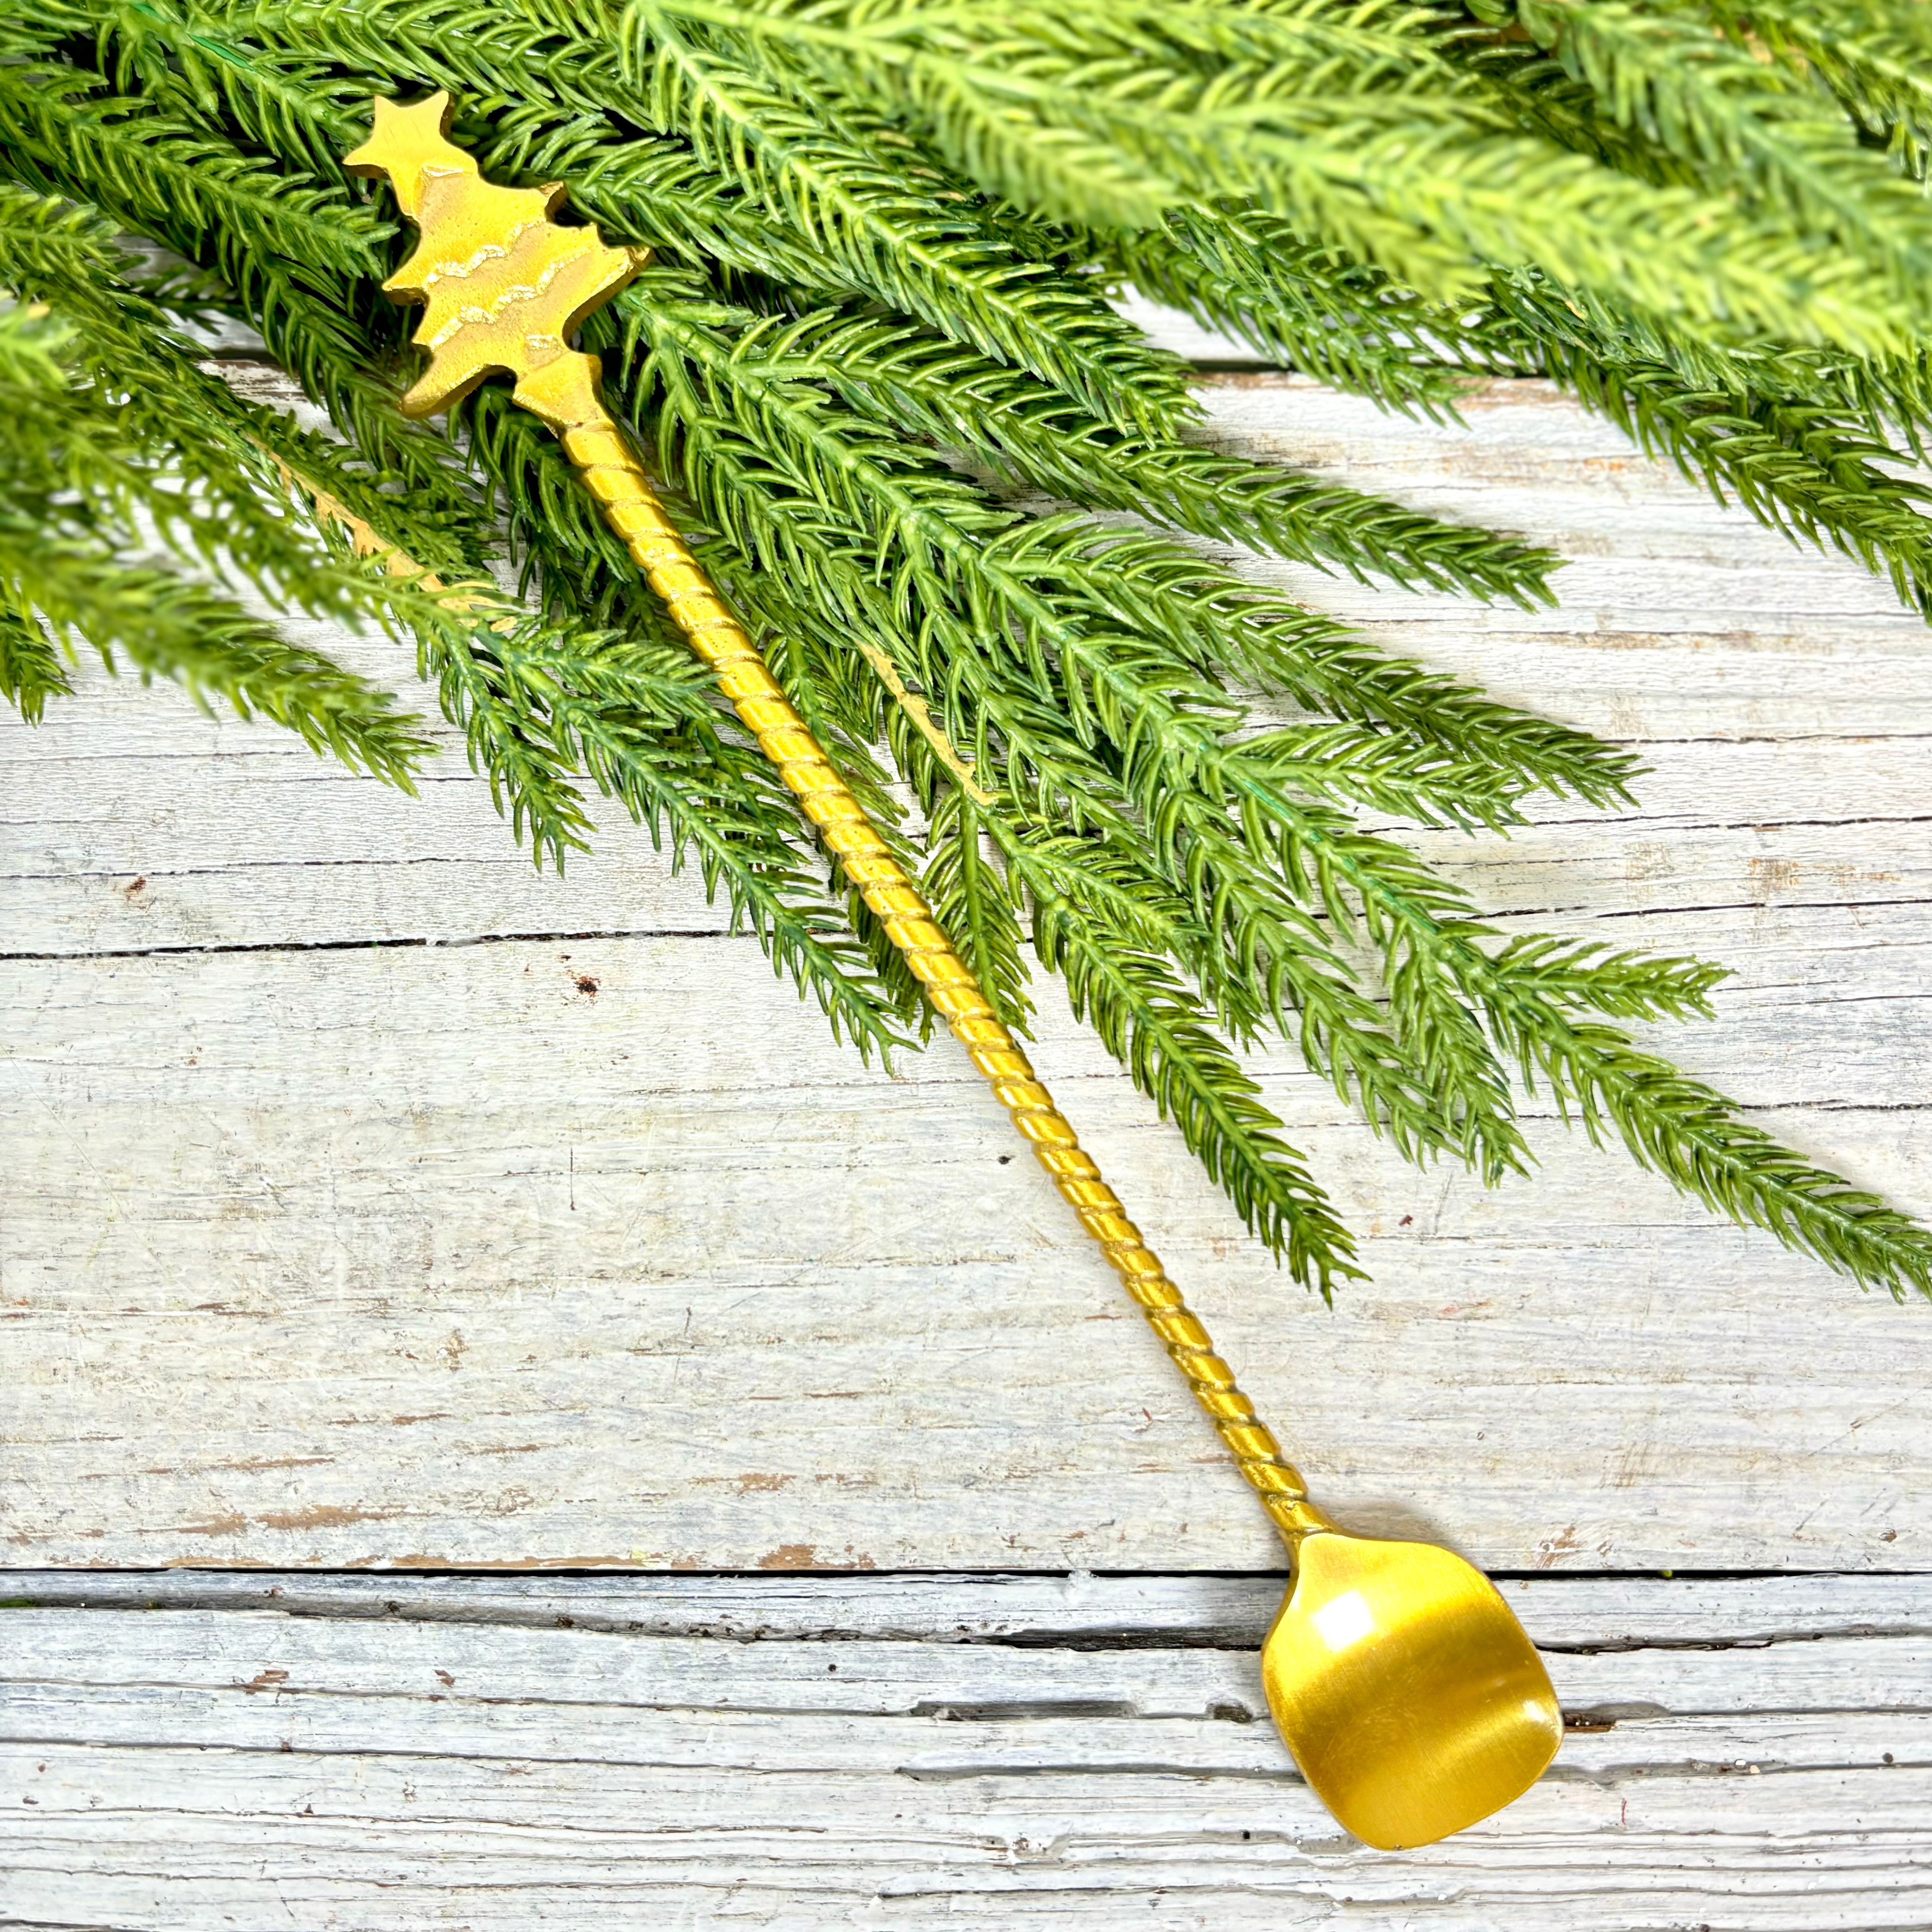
point(789, 1556)
point(264, 1680)
point(586, 986)
point(323, 1516)
point(220, 1525)
point(1017, 1711)
point(1005, 1160)
point(1407, 1221)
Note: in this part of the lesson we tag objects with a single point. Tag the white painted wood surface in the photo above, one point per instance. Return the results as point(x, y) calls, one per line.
point(342, 1225)
point(385, 1753)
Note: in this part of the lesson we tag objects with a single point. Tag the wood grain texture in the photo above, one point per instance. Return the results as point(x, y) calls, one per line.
point(347, 1224)
point(904, 1751)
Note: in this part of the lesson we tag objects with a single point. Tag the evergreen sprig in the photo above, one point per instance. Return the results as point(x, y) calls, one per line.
point(965, 507)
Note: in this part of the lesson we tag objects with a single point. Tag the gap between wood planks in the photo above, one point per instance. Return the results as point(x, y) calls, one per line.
point(1577, 1611)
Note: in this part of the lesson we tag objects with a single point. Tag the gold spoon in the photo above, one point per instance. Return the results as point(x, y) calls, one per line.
point(1411, 1698)
point(1409, 1695)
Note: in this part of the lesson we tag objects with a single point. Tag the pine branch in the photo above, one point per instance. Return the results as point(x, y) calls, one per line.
point(1875, 400)
point(1252, 277)
point(536, 704)
point(1587, 975)
point(1797, 465)
point(1876, 55)
point(1797, 435)
point(318, 323)
point(165, 624)
point(1128, 996)
point(170, 169)
point(1393, 153)
point(31, 671)
point(867, 207)
point(1773, 137)
point(81, 478)
point(1693, 1136)
point(1027, 432)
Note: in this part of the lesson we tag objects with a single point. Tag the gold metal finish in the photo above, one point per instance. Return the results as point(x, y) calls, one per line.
point(1409, 1695)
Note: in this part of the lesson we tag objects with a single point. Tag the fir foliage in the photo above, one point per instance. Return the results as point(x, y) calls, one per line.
point(957, 497)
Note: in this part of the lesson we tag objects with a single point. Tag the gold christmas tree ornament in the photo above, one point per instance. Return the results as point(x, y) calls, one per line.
point(1409, 1694)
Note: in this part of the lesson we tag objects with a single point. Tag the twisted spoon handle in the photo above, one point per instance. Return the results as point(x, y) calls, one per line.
point(564, 393)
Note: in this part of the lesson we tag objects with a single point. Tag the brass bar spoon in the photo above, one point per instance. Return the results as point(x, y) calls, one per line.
point(1409, 1694)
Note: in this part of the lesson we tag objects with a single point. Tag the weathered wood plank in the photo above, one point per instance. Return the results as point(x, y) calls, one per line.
point(410, 1249)
point(172, 1768)
point(190, 846)
point(1732, 665)
point(410, 1261)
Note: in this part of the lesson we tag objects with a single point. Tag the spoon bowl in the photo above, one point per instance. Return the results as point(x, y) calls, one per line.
point(1411, 1698)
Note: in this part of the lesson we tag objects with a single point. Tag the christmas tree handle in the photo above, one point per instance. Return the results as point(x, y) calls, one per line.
point(1409, 1694)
